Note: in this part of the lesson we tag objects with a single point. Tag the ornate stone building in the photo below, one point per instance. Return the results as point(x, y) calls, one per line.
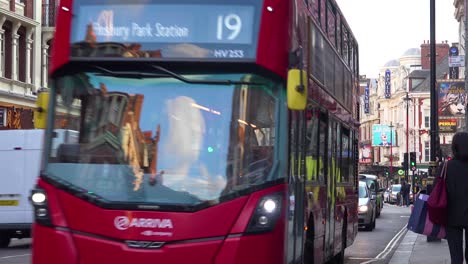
point(26, 30)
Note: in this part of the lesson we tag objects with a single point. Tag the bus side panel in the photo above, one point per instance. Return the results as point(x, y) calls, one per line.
point(52, 246)
point(274, 38)
point(61, 47)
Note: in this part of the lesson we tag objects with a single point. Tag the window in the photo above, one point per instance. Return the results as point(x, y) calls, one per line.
point(345, 156)
point(312, 149)
point(2, 54)
point(427, 118)
point(427, 151)
point(316, 9)
point(331, 23)
point(322, 147)
point(338, 155)
point(345, 50)
point(338, 34)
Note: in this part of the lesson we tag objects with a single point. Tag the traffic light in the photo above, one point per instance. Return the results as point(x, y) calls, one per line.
point(387, 173)
point(404, 164)
point(413, 161)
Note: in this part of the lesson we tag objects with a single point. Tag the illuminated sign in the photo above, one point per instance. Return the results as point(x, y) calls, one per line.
point(157, 30)
point(381, 135)
point(448, 125)
point(366, 99)
point(388, 80)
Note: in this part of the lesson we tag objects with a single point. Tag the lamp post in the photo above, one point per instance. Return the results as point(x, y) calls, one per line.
point(391, 149)
point(407, 99)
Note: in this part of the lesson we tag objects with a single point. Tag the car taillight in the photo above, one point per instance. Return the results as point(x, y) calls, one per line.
point(266, 214)
point(39, 201)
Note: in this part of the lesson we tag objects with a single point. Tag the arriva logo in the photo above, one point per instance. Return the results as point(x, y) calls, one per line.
point(123, 223)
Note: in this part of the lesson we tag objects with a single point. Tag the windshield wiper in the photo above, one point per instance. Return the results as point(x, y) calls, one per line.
point(167, 73)
point(192, 81)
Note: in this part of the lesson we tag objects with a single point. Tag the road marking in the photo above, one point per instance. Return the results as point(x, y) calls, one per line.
point(389, 247)
point(359, 258)
point(15, 256)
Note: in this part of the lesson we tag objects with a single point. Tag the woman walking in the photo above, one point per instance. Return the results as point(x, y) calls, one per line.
point(457, 197)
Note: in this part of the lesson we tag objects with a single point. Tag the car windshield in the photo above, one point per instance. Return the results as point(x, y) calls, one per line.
point(396, 188)
point(362, 191)
point(164, 141)
point(371, 184)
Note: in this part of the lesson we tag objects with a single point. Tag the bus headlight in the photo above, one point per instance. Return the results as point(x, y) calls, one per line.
point(269, 206)
point(266, 214)
point(38, 198)
point(41, 208)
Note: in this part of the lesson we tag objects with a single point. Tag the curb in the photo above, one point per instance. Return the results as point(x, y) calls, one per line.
point(403, 253)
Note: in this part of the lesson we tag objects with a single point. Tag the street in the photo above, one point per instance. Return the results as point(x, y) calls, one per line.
point(17, 253)
point(379, 245)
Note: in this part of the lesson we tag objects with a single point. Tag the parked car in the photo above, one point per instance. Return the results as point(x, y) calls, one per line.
point(387, 193)
point(375, 188)
point(394, 194)
point(367, 207)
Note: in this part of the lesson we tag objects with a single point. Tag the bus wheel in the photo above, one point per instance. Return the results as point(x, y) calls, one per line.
point(4, 240)
point(309, 243)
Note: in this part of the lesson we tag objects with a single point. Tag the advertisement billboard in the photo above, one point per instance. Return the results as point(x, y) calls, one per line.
point(365, 153)
point(382, 136)
point(448, 125)
point(452, 99)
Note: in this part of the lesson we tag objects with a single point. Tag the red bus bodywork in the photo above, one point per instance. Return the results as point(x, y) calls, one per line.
point(85, 233)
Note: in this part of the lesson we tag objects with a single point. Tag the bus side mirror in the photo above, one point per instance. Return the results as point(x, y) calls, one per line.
point(40, 113)
point(297, 89)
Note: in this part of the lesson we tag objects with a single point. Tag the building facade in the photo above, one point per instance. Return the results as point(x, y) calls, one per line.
point(398, 102)
point(23, 58)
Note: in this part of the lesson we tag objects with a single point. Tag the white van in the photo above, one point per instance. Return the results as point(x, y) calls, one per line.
point(20, 157)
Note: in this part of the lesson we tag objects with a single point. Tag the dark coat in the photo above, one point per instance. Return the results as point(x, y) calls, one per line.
point(457, 191)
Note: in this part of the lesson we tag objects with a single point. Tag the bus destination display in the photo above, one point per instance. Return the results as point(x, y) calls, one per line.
point(165, 31)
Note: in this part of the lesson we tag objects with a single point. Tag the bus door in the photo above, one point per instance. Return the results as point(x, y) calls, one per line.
point(330, 181)
point(296, 214)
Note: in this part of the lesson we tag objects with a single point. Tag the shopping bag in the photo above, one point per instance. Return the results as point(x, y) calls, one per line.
point(419, 221)
point(437, 202)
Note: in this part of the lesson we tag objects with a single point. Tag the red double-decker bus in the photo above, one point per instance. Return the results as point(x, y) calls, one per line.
point(198, 131)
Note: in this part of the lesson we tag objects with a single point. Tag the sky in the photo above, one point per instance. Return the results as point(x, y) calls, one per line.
point(385, 29)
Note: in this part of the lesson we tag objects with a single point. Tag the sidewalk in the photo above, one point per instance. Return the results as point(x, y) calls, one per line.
point(415, 249)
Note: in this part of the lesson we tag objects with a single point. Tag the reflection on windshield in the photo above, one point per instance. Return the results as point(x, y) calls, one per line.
point(362, 191)
point(162, 140)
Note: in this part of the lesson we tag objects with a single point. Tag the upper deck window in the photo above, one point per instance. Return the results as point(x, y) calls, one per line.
point(331, 23)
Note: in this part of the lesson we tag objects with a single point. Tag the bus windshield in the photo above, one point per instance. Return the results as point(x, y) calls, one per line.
point(163, 141)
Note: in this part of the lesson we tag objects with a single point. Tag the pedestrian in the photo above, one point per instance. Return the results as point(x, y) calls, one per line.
point(407, 194)
point(404, 194)
point(457, 197)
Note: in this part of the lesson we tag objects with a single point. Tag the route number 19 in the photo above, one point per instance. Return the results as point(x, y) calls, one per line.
point(232, 23)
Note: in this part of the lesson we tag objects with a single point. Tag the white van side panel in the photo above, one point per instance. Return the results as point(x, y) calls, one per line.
point(20, 156)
